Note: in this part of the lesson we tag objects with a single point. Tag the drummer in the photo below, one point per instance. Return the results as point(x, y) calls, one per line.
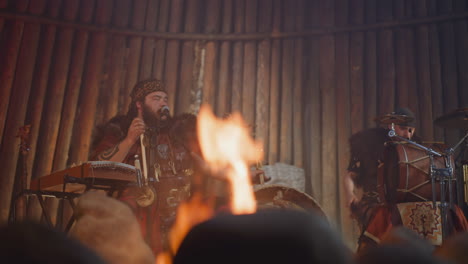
point(376, 217)
point(366, 149)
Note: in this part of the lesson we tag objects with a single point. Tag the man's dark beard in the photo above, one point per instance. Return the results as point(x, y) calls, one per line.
point(152, 119)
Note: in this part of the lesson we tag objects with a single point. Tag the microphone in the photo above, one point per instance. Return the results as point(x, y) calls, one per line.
point(165, 110)
point(164, 113)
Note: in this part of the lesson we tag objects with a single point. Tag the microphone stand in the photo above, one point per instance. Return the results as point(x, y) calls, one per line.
point(462, 172)
point(393, 134)
point(450, 151)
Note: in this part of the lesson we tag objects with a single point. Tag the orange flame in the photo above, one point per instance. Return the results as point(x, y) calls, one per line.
point(228, 148)
point(189, 214)
point(187, 218)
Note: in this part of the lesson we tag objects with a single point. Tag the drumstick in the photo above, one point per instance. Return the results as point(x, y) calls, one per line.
point(143, 156)
point(138, 167)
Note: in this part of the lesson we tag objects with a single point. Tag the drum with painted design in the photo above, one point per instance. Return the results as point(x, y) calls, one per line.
point(404, 175)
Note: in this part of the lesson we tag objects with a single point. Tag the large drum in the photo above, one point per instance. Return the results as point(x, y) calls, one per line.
point(404, 175)
point(282, 197)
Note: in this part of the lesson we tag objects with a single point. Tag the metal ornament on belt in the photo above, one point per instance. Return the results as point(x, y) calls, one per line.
point(147, 194)
point(163, 151)
point(176, 196)
point(157, 171)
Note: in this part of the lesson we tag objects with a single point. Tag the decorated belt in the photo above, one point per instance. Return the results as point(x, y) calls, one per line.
point(172, 191)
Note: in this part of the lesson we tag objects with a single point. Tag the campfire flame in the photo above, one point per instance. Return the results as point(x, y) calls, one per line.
point(227, 146)
point(228, 149)
point(189, 214)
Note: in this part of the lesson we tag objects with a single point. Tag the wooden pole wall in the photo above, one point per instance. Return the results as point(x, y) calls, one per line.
point(370, 72)
point(52, 152)
point(422, 75)
point(73, 84)
point(223, 98)
point(133, 53)
point(461, 41)
point(343, 103)
point(326, 74)
point(3, 4)
point(91, 82)
point(117, 53)
point(386, 60)
point(435, 72)
point(146, 63)
point(17, 91)
point(237, 63)
point(37, 98)
point(402, 57)
point(160, 45)
point(212, 23)
point(327, 83)
point(263, 77)
point(187, 85)
point(313, 108)
point(448, 66)
point(249, 78)
point(4, 91)
point(275, 78)
point(11, 37)
point(356, 118)
point(55, 96)
point(173, 51)
point(285, 105)
point(298, 83)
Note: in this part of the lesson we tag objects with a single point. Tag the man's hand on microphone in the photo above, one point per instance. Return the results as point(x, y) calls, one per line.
point(137, 127)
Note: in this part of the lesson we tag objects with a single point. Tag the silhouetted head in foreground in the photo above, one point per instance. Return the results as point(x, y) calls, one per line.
point(406, 237)
point(454, 249)
point(397, 253)
point(34, 243)
point(268, 236)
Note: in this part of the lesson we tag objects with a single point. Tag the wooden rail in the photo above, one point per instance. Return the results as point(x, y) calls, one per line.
point(229, 36)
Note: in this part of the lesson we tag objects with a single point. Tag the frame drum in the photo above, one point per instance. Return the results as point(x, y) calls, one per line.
point(282, 197)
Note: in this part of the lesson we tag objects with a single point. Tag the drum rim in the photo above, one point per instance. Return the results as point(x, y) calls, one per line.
point(271, 186)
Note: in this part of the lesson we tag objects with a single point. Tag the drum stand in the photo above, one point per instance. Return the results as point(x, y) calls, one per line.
point(442, 175)
point(461, 161)
point(107, 185)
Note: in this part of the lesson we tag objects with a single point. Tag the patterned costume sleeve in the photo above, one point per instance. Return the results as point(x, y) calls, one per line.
point(107, 143)
point(107, 137)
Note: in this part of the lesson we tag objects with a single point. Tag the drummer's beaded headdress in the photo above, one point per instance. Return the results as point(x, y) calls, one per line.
point(145, 87)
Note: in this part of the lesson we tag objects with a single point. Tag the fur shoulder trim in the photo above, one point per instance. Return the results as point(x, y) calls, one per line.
point(116, 126)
